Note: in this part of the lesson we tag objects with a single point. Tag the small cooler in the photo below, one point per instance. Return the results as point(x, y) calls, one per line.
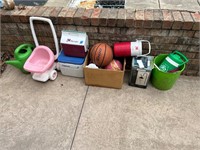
point(74, 43)
point(71, 66)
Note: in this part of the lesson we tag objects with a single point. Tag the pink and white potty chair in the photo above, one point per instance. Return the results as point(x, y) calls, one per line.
point(41, 62)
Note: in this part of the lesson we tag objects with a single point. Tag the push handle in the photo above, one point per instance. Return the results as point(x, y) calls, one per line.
point(149, 46)
point(182, 56)
point(31, 19)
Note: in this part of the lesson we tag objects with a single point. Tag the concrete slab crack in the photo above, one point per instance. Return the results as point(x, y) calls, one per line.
point(79, 118)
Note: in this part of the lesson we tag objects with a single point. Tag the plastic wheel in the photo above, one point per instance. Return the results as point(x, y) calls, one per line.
point(53, 75)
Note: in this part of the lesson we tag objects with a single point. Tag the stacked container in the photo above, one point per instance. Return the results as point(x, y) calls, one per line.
point(74, 50)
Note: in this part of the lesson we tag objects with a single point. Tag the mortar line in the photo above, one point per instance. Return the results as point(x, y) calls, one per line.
point(79, 118)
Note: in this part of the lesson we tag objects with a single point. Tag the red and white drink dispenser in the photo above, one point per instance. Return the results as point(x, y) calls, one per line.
point(125, 49)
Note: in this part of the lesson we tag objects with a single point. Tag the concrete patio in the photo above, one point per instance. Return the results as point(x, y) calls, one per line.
point(65, 114)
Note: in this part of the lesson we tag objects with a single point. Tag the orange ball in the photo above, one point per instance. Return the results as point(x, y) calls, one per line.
point(101, 54)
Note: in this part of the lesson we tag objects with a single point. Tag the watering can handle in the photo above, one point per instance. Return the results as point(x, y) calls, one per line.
point(149, 46)
point(31, 19)
point(23, 46)
point(182, 56)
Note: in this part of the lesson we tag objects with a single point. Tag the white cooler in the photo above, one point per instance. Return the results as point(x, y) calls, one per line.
point(71, 66)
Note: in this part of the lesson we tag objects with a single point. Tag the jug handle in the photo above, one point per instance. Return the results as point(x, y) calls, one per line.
point(182, 56)
point(23, 46)
point(149, 46)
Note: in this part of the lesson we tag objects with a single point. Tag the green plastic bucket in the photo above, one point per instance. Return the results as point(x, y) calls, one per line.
point(164, 80)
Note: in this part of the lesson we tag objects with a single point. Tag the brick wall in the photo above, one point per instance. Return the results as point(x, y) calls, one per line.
point(167, 30)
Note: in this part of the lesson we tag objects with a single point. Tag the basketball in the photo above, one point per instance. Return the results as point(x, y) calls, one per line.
point(101, 54)
point(115, 65)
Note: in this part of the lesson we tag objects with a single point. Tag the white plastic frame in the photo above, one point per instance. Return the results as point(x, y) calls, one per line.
point(31, 19)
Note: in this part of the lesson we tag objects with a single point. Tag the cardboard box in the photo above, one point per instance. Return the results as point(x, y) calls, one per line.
point(104, 77)
point(74, 43)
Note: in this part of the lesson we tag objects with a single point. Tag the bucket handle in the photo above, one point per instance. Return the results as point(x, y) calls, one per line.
point(157, 67)
point(149, 46)
point(182, 56)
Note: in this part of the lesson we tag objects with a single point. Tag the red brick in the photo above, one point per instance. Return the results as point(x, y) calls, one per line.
point(158, 19)
point(40, 11)
point(188, 21)
point(196, 17)
point(178, 20)
point(48, 12)
point(24, 29)
point(28, 39)
point(158, 32)
point(6, 15)
point(98, 36)
point(167, 40)
point(194, 61)
point(193, 49)
point(139, 18)
point(33, 11)
point(188, 33)
point(78, 15)
point(130, 31)
point(190, 72)
point(87, 29)
point(70, 14)
point(112, 17)
point(86, 17)
point(15, 15)
point(121, 17)
point(142, 32)
point(54, 14)
point(177, 33)
point(4, 32)
point(167, 19)
point(148, 18)
point(61, 16)
point(192, 66)
point(23, 15)
point(109, 30)
point(130, 17)
point(190, 55)
point(103, 18)
point(95, 17)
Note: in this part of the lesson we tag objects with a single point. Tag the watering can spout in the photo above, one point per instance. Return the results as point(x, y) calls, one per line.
point(16, 63)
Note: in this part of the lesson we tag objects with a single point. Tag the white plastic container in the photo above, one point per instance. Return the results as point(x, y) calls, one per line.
point(71, 66)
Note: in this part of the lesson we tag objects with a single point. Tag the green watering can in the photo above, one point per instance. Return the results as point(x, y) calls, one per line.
point(21, 54)
point(173, 61)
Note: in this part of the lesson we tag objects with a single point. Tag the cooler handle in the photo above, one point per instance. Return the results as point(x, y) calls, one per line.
point(182, 56)
point(149, 46)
